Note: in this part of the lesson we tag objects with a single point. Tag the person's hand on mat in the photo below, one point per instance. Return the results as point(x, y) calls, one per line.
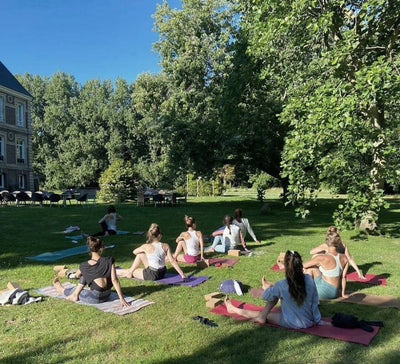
point(185, 279)
point(258, 242)
point(124, 303)
point(345, 295)
point(72, 297)
point(361, 276)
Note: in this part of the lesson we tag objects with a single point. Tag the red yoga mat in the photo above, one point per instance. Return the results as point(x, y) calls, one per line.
point(355, 335)
point(379, 280)
point(275, 267)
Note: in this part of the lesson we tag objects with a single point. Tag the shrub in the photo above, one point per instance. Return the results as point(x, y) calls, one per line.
point(118, 182)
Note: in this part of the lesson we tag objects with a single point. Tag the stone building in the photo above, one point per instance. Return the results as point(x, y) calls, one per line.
point(16, 171)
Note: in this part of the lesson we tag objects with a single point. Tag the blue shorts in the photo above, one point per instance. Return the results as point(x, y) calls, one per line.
point(90, 295)
point(325, 289)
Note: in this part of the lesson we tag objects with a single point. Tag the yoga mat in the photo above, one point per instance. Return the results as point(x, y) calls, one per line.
point(275, 267)
point(355, 335)
point(218, 262)
point(379, 280)
point(77, 237)
point(176, 279)
point(354, 297)
point(113, 305)
point(223, 261)
point(370, 300)
point(52, 256)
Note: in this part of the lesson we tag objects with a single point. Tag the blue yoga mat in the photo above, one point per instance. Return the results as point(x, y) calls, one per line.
point(77, 237)
point(52, 256)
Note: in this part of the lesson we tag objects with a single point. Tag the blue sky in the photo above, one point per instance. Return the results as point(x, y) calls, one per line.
point(102, 39)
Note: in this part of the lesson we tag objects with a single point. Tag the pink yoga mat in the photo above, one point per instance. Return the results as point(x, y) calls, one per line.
point(379, 280)
point(355, 335)
point(226, 261)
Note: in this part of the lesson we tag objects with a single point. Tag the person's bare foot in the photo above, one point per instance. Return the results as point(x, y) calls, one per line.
point(260, 319)
point(264, 283)
point(210, 250)
point(228, 304)
point(58, 286)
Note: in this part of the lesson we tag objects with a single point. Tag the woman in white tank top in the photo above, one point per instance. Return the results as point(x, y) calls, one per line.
point(191, 242)
point(152, 256)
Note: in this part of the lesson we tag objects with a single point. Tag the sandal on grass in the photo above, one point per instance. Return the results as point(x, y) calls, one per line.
point(205, 321)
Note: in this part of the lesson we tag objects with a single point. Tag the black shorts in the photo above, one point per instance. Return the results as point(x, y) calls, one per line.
point(151, 274)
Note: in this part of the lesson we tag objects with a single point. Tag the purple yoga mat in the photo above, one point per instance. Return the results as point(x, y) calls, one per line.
point(177, 279)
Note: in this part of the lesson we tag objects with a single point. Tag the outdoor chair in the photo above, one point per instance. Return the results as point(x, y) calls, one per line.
point(82, 199)
point(158, 200)
point(7, 197)
point(54, 198)
point(21, 196)
point(37, 197)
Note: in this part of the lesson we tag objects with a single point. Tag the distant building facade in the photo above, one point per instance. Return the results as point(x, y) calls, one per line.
point(16, 172)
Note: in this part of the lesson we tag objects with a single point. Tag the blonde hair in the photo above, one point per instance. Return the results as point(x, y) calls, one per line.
point(153, 233)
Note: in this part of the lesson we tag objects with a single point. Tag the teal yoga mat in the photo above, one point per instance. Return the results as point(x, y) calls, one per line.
point(52, 256)
point(77, 237)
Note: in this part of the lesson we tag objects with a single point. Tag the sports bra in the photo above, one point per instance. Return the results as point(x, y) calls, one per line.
point(335, 272)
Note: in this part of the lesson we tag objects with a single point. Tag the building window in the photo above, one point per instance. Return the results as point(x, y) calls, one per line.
point(2, 180)
point(20, 151)
point(1, 108)
point(2, 143)
point(20, 115)
point(21, 181)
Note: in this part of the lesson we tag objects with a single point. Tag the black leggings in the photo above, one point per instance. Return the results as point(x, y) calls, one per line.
point(105, 230)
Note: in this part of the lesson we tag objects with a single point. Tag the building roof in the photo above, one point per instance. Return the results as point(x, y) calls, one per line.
point(8, 80)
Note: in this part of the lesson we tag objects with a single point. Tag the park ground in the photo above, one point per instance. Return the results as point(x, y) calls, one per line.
point(57, 331)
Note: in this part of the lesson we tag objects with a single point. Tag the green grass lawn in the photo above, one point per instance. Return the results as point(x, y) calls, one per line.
point(57, 331)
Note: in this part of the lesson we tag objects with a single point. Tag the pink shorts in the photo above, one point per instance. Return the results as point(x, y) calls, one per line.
point(191, 258)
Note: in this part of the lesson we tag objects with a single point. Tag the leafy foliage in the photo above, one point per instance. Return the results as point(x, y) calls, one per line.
point(118, 182)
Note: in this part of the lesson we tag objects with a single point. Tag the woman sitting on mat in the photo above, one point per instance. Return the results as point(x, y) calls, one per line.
point(342, 249)
point(298, 295)
point(152, 255)
point(109, 222)
point(98, 273)
point(231, 237)
point(329, 270)
point(191, 242)
point(244, 225)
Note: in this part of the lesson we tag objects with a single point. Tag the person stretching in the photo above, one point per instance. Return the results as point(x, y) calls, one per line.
point(191, 242)
point(152, 256)
point(98, 273)
point(109, 222)
point(231, 237)
point(298, 295)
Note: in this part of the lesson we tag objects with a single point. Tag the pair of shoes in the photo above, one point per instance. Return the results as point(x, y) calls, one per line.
point(205, 321)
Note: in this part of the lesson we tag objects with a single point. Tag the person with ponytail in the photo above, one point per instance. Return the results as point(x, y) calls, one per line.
point(298, 295)
point(191, 242)
point(244, 225)
point(329, 270)
point(231, 237)
point(98, 273)
point(342, 249)
point(152, 256)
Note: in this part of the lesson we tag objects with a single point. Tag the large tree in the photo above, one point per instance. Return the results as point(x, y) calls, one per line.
point(337, 66)
point(196, 55)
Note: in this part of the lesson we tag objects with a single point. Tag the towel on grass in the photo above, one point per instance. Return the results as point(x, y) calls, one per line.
point(80, 236)
point(379, 280)
point(176, 279)
point(354, 297)
point(112, 305)
point(52, 256)
point(355, 335)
